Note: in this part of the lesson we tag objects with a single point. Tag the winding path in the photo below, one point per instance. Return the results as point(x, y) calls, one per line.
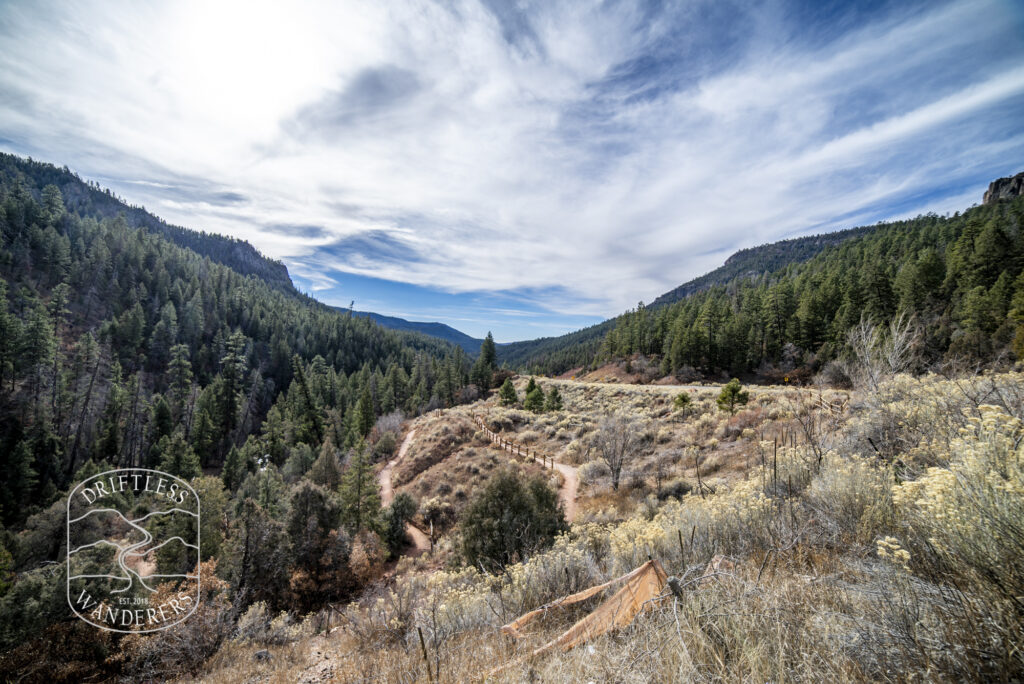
point(567, 492)
point(570, 478)
point(420, 541)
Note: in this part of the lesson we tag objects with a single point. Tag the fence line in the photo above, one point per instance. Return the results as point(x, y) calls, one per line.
point(514, 448)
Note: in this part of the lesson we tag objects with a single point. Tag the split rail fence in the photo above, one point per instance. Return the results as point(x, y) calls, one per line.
point(514, 448)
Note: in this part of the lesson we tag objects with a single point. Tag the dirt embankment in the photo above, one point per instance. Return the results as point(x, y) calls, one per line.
point(438, 438)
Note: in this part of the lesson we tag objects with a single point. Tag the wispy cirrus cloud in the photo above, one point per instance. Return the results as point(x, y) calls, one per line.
point(478, 158)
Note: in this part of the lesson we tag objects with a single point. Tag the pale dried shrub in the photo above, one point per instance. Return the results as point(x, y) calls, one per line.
point(258, 626)
point(712, 463)
point(368, 556)
point(704, 426)
point(528, 437)
point(592, 471)
point(852, 497)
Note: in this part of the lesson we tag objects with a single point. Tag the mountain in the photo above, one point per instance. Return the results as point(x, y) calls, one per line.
point(131, 342)
point(87, 200)
point(471, 345)
point(582, 347)
point(755, 261)
point(785, 309)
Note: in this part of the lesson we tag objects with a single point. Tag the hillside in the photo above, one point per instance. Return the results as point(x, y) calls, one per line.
point(88, 200)
point(805, 536)
point(581, 348)
point(121, 345)
point(757, 261)
point(785, 309)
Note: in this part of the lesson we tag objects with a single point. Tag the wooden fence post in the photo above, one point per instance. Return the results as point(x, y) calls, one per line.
point(426, 660)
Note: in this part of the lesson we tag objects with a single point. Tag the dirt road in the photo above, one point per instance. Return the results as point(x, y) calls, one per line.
point(420, 541)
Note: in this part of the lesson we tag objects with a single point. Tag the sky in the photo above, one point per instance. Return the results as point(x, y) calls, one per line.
point(523, 167)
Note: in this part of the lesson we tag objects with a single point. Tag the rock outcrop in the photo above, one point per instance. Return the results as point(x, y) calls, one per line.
point(1004, 188)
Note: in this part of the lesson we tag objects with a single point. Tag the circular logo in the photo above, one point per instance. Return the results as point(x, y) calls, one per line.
point(133, 550)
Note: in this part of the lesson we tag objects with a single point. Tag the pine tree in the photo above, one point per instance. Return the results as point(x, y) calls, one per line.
point(204, 436)
point(325, 470)
point(364, 413)
point(311, 421)
point(486, 364)
point(177, 458)
point(10, 339)
point(508, 393)
point(233, 368)
point(360, 495)
point(108, 447)
point(234, 469)
point(534, 400)
point(19, 479)
point(732, 395)
point(553, 402)
point(179, 372)
point(163, 420)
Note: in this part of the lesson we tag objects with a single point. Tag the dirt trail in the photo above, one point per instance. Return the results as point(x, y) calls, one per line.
point(567, 492)
point(570, 479)
point(420, 541)
point(652, 387)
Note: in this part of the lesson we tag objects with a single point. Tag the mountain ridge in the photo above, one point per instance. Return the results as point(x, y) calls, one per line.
point(88, 199)
point(443, 331)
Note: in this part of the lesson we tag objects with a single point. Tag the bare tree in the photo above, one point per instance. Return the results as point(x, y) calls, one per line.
point(881, 354)
point(390, 422)
point(663, 467)
point(618, 440)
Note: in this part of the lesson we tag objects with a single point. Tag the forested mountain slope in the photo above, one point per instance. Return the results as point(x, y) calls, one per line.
point(583, 347)
point(755, 261)
point(87, 199)
point(119, 345)
point(959, 277)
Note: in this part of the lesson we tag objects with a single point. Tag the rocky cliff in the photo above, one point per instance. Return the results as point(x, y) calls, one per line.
point(1004, 188)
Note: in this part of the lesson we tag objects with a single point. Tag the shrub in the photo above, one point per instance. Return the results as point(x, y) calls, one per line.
point(682, 401)
point(385, 447)
point(509, 520)
point(258, 626)
point(401, 510)
point(676, 488)
point(184, 646)
point(528, 437)
point(591, 471)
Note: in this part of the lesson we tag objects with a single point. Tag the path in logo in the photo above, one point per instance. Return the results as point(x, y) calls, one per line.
point(133, 550)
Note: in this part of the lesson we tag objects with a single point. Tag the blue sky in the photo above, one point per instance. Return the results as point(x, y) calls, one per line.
point(522, 167)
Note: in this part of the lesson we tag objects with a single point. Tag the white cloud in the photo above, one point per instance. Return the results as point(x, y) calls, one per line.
point(498, 148)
